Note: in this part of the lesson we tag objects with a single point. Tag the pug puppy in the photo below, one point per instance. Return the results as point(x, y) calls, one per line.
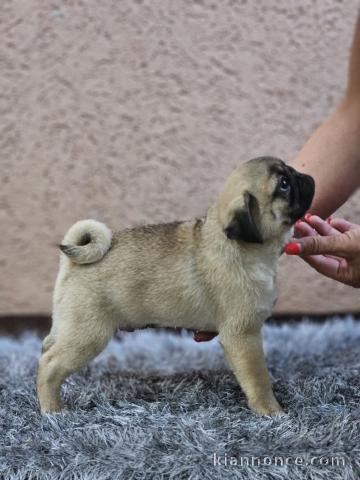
point(214, 274)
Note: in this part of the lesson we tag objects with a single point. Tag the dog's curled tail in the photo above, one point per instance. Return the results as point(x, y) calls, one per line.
point(86, 241)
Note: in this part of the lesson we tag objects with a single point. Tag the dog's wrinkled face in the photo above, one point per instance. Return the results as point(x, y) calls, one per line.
point(262, 199)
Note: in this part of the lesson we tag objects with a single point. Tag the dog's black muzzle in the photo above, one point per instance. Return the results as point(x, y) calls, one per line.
point(303, 194)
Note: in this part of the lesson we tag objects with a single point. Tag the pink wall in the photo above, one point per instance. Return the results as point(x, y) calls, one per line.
point(136, 111)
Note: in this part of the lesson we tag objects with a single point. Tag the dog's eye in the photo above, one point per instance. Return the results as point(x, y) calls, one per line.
point(284, 184)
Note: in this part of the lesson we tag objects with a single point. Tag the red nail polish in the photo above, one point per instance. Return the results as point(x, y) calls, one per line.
point(328, 220)
point(204, 336)
point(292, 249)
point(308, 216)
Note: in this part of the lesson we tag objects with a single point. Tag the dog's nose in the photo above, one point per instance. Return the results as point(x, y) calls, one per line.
point(306, 189)
point(308, 179)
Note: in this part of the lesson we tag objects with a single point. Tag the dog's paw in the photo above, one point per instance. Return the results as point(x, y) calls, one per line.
point(270, 407)
point(52, 407)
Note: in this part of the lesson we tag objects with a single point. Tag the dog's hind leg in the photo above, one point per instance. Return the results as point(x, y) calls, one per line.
point(79, 341)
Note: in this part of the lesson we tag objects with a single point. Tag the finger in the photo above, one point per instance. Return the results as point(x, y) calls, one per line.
point(342, 225)
point(335, 257)
point(316, 244)
point(302, 229)
point(321, 226)
point(204, 336)
point(327, 266)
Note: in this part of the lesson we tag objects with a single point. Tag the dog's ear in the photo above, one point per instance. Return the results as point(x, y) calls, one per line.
point(242, 225)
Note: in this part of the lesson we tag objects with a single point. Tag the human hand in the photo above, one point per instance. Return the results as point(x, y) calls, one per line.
point(331, 247)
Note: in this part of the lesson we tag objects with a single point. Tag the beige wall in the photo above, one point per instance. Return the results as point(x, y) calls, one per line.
point(136, 111)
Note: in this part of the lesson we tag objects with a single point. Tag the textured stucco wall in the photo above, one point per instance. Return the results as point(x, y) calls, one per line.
point(136, 111)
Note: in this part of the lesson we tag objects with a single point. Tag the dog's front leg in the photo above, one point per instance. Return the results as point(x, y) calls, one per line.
point(245, 355)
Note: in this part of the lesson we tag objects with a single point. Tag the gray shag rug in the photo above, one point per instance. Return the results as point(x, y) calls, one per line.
point(157, 405)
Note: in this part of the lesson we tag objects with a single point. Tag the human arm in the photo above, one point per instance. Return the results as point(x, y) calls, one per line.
point(332, 153)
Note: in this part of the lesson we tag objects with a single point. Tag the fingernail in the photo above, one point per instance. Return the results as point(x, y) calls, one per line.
point(308, 216)
point(292, 249)
point(328, 220)
point(298, 222)
point(204, 336)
